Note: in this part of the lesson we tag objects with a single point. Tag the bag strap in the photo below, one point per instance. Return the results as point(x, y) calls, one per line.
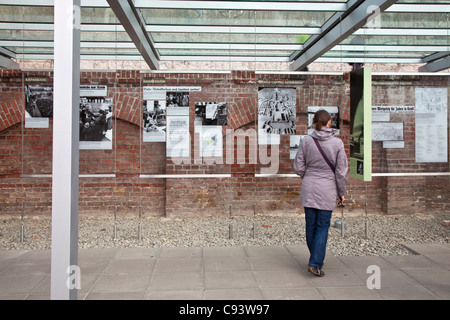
point(323, 155)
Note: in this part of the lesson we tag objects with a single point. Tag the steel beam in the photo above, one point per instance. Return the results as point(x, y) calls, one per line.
point(436, 65)
point(342, 26)
point(7, 63)
point(436, 56)
point(134, 25)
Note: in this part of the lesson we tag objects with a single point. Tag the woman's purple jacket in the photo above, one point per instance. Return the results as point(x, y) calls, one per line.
point(320, 186)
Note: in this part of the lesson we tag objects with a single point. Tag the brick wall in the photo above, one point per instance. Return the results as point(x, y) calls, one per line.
point(25, 151)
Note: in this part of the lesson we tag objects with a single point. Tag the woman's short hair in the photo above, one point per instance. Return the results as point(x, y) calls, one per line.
point(321, 118)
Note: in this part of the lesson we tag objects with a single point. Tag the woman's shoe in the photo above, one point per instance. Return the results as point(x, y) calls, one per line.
point(316, 271)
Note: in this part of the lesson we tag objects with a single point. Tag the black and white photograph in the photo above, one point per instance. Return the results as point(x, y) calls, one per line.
point(38, 106)
point(211, 113)
point(154, 121)
point(96, 123)
point(295, 143)
point(177, 103)
point(39, 101)
point(333, 111)
point(277, 111)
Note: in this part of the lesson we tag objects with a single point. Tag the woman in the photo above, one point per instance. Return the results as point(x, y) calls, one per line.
point(321, 187)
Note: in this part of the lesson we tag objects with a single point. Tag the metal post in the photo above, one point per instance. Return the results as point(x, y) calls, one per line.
point(230, 226)
point(22, 227)
point(254, 222)
point(139, 225)
point(115, 224)
point(66, 101)
point(367, 218)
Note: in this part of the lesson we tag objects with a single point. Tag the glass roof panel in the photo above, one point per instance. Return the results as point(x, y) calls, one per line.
point(27, 35)
point(98, 16)
point(223, 52)
point(99, 36)
point(400, 35)
point(406, 20)
point(375, 54)
point(402, 40)
point(212, 38)
point(246, 29)
point(234, 17)
point(26, 14)
point(31, 50)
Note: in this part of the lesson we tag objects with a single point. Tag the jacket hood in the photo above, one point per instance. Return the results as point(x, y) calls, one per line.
point(324, 134)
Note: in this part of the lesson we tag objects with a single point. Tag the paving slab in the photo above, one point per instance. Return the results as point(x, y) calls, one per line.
point(234, 294)
point(362, 262)
point(443, 260)
point(173, 265)
point(247, 273)
point(130, 266)
point(181, 252)
point(24, 284)
point(279, 263)
point(406, 293)
point(230, 280)
point(348, 293)
point(116, 296)
point(196, 294)
point(426, 249)
point(118, 283)
point(137, 253)
point(222, 264)
point(177, 281)
point(304, 293)
point(410, 261)
point(284, 279)
point(220, 252)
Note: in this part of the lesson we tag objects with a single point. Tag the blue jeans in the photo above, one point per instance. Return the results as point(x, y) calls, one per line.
point(317, 225)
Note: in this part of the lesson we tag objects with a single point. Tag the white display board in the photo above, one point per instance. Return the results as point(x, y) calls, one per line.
point(178, 137)
point(387, 131)
point(431, 125)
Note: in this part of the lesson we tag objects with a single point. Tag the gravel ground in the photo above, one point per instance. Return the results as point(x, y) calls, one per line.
point(386, 233)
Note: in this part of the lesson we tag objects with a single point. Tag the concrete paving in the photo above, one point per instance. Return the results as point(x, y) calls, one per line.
point(247, 273)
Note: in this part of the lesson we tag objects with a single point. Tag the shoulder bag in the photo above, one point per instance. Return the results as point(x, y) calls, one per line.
point(323, 155)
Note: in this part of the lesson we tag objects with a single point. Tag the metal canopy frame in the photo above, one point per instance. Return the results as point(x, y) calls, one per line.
point(338, 28)
point(158, 31)
point(134, 26)
point(5, 59)
point(435, 64)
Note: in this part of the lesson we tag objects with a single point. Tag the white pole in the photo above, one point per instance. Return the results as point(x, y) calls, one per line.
point(66, 99)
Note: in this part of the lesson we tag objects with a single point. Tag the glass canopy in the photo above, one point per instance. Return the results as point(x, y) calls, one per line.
point(293, 32)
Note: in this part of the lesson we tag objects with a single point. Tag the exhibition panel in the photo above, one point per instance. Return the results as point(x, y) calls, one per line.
point(232, 145)
point(214, 130)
